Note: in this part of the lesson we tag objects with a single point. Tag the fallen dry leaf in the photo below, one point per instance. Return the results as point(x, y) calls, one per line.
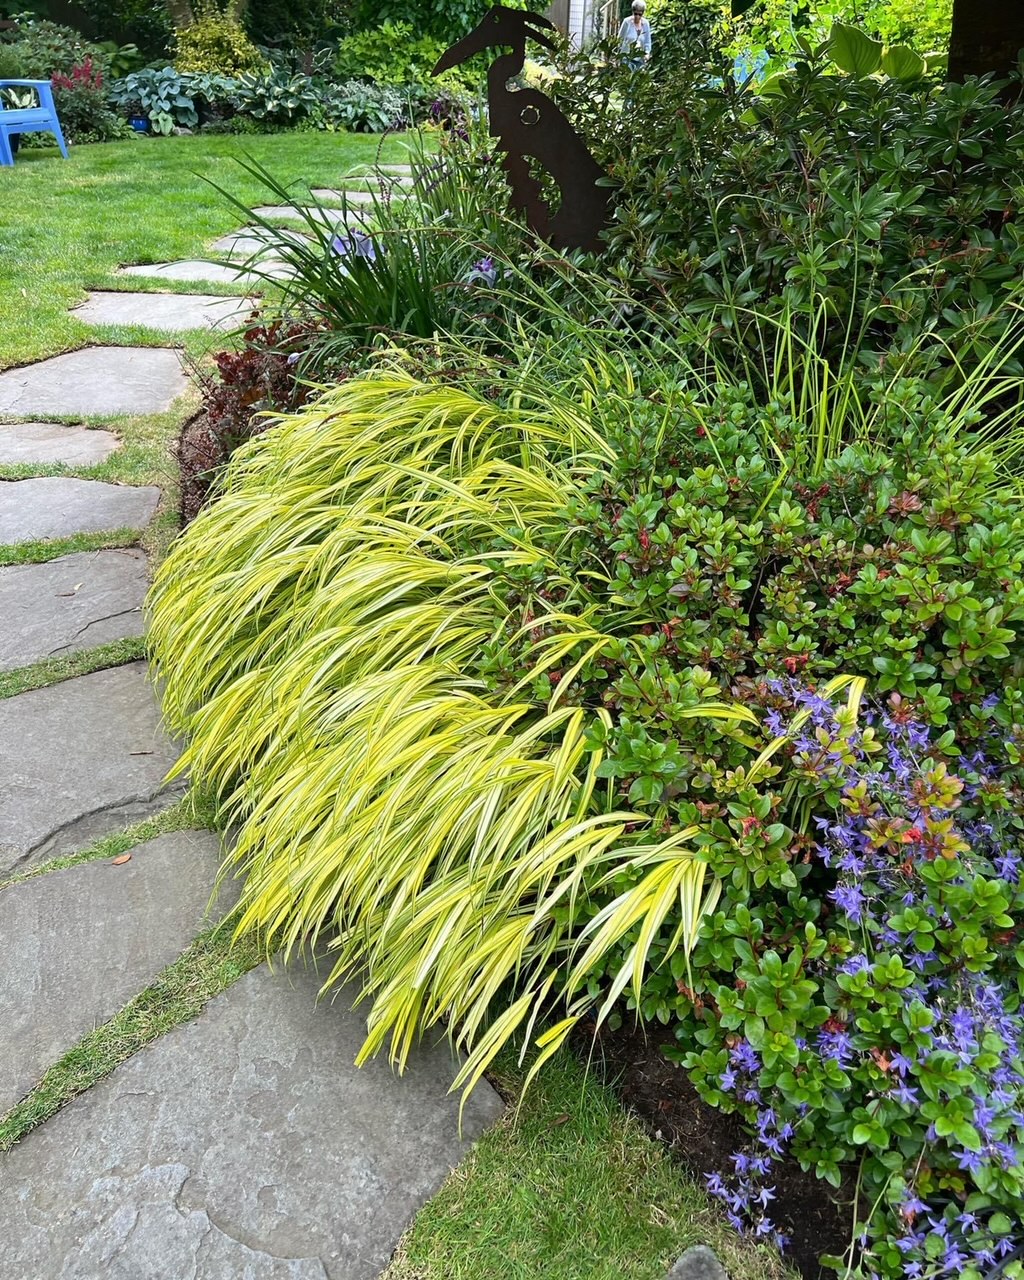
point(125, 857)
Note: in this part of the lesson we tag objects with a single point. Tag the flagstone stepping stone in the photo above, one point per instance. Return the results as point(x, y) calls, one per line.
point(328, 196)
point(214, 272)
point(329, 217)
point(60, 506)
point(77, 945)
point(70, 604)
point(34, 442)
point(251, 241)
point(243, 1143)
point(168, 312)
point(95, 381)
point(78, 760)
point(191, 270)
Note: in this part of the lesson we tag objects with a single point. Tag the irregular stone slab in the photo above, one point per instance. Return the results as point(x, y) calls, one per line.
point(242, 1144)
point(59, 506)
point(77, 945)
point(329, 196)
point(329, 217)
point(50, 442)
point(168, 312)
point(214, 272)
point(79, 760)
point(96, 381)
point(66, 605)
point(698, 1263)
point(191, 270)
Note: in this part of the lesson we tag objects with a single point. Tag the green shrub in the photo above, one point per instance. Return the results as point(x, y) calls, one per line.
point(42, 48)
point(275, 97)
point(82, 108)
point(166, 97)
point(216, 44)
point(894, 201)
point(395, 52)
point(443, 20)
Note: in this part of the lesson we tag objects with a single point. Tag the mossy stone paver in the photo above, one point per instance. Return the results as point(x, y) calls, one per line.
point(78, 760)
point(94, 381)
point(244, 1143)
point(75, 602)
point(47, 442)
point(167, 312)
point(77, 945)
point(195, 270)
point(59, 506)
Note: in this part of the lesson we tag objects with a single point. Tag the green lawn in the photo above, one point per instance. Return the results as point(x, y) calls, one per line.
point(65, 225)
point(570, 1187)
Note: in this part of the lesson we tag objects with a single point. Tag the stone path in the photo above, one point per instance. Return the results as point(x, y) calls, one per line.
point(97, 381)
point(166, 312)
point(66, 605)
point(59, 506)
point(35, 442)
point(243, 1143)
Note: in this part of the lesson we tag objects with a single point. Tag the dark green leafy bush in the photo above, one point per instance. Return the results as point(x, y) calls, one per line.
point(43, 48)
point(898, 203)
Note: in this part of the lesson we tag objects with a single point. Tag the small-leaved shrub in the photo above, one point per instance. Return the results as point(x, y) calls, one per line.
point(216, 44)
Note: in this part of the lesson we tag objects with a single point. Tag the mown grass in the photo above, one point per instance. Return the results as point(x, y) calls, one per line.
point(191, 813)
point(115, 653)
point(66, 225)
point(569, 1187)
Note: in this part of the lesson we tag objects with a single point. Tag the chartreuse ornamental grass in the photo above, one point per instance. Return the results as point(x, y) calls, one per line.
point(65, 226)
point(315, 631)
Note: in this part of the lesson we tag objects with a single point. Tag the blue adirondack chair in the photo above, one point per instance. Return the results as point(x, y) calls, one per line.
point(41, 119)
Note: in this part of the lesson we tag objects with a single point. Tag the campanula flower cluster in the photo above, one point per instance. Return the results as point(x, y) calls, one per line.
point(884, 1041)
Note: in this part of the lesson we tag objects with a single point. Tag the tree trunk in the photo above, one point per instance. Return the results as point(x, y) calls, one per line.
point(987, 36)
point(181, 13)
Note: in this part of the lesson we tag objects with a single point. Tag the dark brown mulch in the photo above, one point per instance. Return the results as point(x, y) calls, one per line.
point(703, 1139)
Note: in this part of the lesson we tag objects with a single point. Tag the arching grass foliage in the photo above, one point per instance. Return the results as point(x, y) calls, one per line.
point(315, 631)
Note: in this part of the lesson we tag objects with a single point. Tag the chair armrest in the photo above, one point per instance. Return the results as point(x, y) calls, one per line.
point(23, 84)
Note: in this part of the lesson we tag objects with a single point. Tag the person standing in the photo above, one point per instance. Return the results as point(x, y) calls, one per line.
point(635, 36)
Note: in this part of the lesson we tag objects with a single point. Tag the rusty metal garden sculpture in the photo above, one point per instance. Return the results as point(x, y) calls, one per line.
point(528, 125)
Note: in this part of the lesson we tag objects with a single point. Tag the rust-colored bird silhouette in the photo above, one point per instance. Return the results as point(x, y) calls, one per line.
point(527, 124)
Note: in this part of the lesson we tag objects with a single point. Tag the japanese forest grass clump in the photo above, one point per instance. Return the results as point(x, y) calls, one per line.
point(507, 697)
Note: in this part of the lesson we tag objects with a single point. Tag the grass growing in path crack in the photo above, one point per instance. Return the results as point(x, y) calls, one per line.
point(53, 670)
point(41, 550)
point(192, 812)
point(206, 968)
point(569, 1188)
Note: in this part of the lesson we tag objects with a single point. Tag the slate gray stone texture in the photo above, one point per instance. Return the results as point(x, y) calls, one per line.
point(214, 272)
point(241, 1144)
point(251, 240)
point(698, 1263)
point(43, 442)
point(78, 760)
point(75, 602)
point(60, 506)
point(94, 381)
point(77, 945)
point(166, 312)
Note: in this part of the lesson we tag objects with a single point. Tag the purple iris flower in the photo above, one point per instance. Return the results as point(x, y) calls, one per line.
point(355, 244)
